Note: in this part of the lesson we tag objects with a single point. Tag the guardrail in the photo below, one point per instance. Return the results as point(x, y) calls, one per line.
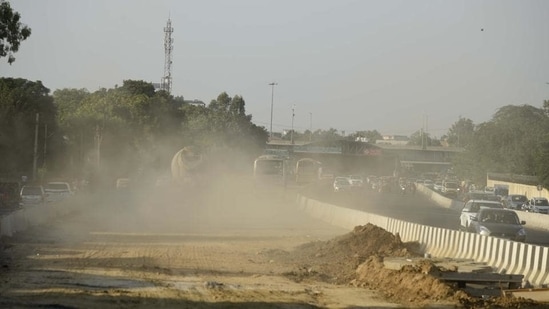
point(503, 255)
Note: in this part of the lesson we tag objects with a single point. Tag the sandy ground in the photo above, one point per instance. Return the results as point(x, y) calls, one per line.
point(194, 248)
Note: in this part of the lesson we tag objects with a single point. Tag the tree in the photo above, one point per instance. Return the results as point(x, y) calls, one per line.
point(327, 135)
point(20, 101)
point(420, 138)
point(461, 132)
point(12, 31)
point(514, 141)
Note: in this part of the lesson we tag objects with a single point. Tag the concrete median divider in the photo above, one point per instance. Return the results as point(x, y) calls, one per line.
point(505, 256)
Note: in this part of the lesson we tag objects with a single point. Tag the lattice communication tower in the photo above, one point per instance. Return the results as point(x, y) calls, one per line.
point(166, 83)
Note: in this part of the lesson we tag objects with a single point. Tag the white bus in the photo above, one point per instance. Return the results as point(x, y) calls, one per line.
point(307, 170)
point(270, 170)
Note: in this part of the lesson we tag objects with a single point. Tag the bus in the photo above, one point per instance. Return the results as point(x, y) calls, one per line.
point(271, 170)
point(307, 170)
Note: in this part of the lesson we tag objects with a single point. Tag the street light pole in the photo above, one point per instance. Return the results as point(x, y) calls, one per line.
point(292, 133)
point(310, 127)
point(273, 84)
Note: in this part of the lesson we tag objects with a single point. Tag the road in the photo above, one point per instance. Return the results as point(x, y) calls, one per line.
point(412, 208)
point(192, 248)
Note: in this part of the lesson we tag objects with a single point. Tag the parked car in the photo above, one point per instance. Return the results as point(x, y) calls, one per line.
point(341, 184)
point(515, 201)
point(538, 204)
point(471, 209)
point(32, 195)
point(501, 223)
point(57, 191)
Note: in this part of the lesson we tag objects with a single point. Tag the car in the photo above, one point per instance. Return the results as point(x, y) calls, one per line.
point(538, 205)
point(356, 181)
point(123, 184)
point(515, 201)
point(32, 195)
point(480, 195)
point(450, 188)
point(429, 183)
point(491, 190)
point(57, 191)
point(471, 209)
point(438, 186)
point(502, 223)
point(341, 184)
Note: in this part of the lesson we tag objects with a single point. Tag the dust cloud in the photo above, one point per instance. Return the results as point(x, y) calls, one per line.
point(220, 200)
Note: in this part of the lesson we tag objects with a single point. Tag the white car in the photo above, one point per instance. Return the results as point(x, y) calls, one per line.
point(341, 184)
point(538, 204)
point(57, 191)
point(450, 188)
point(471, 209)
point(429, 183)
point(32, 195)
point(356, 180)
point(438, 186)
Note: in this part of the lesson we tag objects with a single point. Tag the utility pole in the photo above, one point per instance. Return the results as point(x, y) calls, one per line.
point(45, 143)
point(273, 84)
point(35, 159)
point(292, 133)
point(311, 127)
point(98, 139)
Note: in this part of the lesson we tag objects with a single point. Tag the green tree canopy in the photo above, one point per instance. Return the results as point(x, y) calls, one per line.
point(514, 141)
point(20, 101)
point(461, 133)
point(12, 31)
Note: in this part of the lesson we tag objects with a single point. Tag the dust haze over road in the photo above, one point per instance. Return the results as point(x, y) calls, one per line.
point(199, 247)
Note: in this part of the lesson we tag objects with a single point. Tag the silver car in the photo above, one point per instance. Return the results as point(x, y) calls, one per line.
point(57, 191)
point(471, 209)
point(32, 195)
point(502, 223)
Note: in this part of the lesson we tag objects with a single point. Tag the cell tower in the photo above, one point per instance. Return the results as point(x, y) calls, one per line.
point(166, 83)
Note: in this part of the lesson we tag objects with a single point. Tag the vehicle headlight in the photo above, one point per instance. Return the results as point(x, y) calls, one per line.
point(521, 232)
point(484, 231)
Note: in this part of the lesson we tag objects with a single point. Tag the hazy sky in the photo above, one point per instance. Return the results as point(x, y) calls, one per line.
point(351, 65)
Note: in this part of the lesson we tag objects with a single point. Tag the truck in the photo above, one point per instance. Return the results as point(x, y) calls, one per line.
point(186, 164)
point(501, 190)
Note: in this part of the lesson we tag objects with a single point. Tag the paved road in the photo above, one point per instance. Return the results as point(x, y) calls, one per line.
point(413, 208)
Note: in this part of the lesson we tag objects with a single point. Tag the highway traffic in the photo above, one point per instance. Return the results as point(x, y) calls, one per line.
point(414, 208)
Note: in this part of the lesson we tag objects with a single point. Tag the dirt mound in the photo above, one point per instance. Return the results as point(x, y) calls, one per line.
point(356, 259)
point(336, 260)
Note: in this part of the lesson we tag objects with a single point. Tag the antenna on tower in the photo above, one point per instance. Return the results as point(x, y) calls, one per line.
point(166, 83)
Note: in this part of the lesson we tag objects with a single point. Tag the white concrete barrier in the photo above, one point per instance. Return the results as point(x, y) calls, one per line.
point(503, 255)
